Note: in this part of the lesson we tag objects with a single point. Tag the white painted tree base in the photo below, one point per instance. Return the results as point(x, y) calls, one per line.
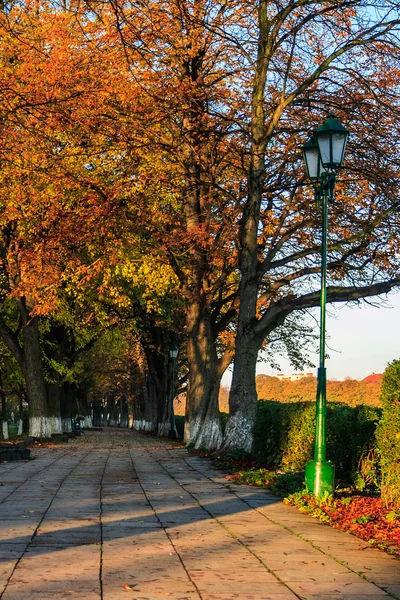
point(164, 429)
point(5, 430)
point(204, 434)
point(142, 425)
point(238, 434)
point(66, 425)
point(39, 427)
point(20, 427)
point(55, 424)
point(87, 421)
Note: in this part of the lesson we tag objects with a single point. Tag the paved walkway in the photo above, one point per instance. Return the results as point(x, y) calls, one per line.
point(120, 516)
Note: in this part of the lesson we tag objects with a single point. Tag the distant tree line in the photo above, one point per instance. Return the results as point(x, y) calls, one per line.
point(349, 391)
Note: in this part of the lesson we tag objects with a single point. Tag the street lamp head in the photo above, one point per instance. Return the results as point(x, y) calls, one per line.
point(173, 351)
point(312, 159)
point(331, 138)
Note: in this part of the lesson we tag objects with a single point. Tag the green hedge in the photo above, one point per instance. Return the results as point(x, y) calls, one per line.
point(388, 434)
point(284, 434)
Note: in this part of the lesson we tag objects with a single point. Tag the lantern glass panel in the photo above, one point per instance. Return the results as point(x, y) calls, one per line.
point(173, 352)
point(311, 158)
point(338, 148)
point(324, 143)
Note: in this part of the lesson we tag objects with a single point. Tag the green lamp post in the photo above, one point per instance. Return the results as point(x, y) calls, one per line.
point(323, 155)
point(173, 354)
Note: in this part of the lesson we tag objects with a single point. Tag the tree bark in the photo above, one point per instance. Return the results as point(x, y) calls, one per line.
point(30, 360)
point(145, 407)
point(164, 406)
point(66, 407)
point(21, 421)
point(3, 410)
point(239, 432)
point(39, 425)
point(54, 405)
point(83, 408)
point(203, 425)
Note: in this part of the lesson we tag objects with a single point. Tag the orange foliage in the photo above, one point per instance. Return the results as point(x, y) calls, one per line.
point(349, 391)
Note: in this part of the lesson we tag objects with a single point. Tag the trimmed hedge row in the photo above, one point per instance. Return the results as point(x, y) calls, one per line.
point(284, 434)
point(388, 434)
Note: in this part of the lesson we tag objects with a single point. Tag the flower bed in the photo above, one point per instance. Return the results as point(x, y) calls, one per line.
point(364, 516)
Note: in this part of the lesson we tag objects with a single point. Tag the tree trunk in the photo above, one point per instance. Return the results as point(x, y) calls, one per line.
point(54, 405)
point(145, 408)
point(97, 413)
point(66, 407)
point(3, 410)
point(243, 396)
point(156, 375)
point(203, 425)
point(239, 432)
point(131, 419)
point(21, 409)
point(123, 412)
point(21, 421)
point(34, 377)
point(165, 406)
point(84, 409)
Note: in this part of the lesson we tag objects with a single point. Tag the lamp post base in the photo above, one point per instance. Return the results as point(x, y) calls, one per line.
point(320, 477)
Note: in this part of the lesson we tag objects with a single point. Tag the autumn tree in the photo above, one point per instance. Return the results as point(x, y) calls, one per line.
point(60, 158)
point(178, 52)
point(131, 124)
point(311, 58)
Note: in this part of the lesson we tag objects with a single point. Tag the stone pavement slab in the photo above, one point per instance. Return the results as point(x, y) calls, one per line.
point(116, 515)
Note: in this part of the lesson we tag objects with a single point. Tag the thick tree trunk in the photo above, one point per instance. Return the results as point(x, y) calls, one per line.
point(243, 396)
point(39, 425)
point(123, 413)
point(21, 421)
point(156, 376)
point(66, 407)
point(97, 413)
point(166, 423)
point(54, 407)
point(145, 408)
point(3, 410)
point(203, 425)
point(239, 432)
point(111, 410)
point(87, 421)
point(84, 409)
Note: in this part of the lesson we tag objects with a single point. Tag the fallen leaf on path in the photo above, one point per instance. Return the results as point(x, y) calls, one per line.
point(128, 587)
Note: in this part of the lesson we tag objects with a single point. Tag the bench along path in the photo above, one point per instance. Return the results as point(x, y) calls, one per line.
point(121, 516)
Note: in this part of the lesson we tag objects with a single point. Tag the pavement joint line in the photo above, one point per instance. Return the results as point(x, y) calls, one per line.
point(101, 523)
point(164, 528)
point(35, 473)
point(337, 560)
point(43, 517)
point(298, 535)
point(228, 530)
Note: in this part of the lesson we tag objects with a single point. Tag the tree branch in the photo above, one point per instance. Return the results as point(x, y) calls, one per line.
point(281, 309)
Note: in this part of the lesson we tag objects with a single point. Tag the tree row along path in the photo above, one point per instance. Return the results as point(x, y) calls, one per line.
point(122, 516)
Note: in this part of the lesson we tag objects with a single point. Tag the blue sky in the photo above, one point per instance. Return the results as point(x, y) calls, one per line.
point(361, 340)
